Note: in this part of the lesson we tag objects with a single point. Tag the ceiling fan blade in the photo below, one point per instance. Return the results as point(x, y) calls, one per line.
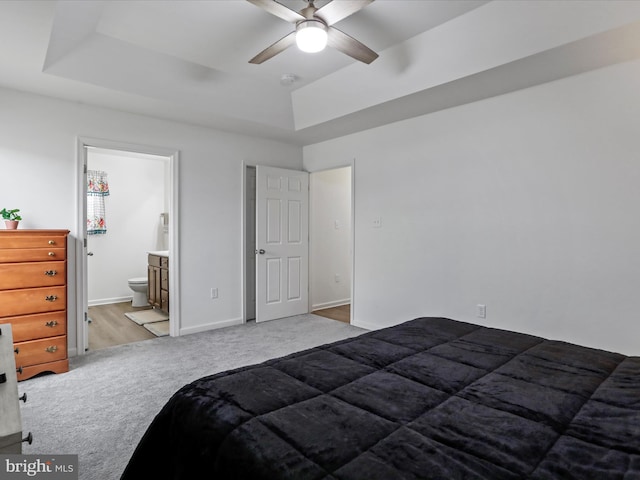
point(278, 47)
point(335, 11)
point(279, 10)
point(350, 46)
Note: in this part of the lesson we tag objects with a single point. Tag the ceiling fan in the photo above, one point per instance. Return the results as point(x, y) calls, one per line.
point(314, 29)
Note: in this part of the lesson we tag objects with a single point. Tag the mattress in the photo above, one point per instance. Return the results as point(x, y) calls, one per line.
point(432, 398)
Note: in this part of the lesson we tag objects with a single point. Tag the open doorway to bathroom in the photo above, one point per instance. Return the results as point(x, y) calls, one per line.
point(127, 218)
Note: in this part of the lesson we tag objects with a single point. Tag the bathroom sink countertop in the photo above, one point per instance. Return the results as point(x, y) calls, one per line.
point(160, 253)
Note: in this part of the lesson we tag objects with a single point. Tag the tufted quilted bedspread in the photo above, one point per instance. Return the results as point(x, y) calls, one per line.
point(431, 398)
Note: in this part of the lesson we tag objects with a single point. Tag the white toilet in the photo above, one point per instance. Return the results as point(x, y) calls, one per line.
point(139, 287)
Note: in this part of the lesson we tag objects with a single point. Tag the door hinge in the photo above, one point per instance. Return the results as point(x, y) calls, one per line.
point(85, 168)
point(85, 242)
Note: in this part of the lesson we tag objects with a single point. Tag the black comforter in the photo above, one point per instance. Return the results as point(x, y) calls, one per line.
point(432, 398)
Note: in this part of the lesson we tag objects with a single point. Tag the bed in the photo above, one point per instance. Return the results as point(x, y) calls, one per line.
point(432, 398)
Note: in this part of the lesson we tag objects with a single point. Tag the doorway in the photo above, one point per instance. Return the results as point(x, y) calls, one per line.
point(330, 243)
point(139, 214)
point(135, 211)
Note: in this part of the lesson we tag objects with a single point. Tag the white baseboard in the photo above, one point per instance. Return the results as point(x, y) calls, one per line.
point(335, 303)
point(211, 326)
point(367, 325)
point(108, 301)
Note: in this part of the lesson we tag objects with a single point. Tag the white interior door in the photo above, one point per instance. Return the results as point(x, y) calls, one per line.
point(282, 243)
point(83, 343)
point(250, 295)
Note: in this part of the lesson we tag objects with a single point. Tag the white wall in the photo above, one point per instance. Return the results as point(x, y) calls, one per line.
point(138, 196)
point(330, 238)
point(527, 202)
point(38, 147)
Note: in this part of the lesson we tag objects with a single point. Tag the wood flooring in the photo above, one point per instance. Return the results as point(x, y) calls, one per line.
point(109, 326)
point(341, 313)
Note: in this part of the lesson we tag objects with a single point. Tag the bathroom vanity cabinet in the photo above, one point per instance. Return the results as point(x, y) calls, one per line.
point(158, 278)
point(33, 298)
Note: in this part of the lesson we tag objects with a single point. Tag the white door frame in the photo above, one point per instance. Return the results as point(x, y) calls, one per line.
point(81, 251)
point(243, 260)
point(352, 231)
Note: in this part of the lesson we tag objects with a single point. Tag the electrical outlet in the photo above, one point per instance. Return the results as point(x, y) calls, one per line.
point(481, 311)
point(377, 222)
point(214, 293)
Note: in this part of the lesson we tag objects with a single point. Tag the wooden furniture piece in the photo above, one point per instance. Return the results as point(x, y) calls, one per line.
point(33, 298)
point(10, 419)
point(158, 274)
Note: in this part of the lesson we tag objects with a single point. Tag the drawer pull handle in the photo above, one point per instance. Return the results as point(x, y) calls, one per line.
point(51, 298)
point(52, 242)
point(51, 324)
point(28, 438)
point(52, 349)
point(23, 397)
point(51, 273)
point(17, 350)
point(19, 369)
point(52, 254)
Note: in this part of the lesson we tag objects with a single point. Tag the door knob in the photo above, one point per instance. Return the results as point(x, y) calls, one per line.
point(261, 251)
point(90, 254)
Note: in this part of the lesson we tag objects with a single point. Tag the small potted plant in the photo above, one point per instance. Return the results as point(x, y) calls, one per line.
point(11, 218)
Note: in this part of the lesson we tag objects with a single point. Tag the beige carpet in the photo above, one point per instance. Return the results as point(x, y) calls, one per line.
point(159, 329)
point(102, 406)
point(147, 316)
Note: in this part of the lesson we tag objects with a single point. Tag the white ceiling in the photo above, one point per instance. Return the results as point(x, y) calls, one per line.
point(188, 60)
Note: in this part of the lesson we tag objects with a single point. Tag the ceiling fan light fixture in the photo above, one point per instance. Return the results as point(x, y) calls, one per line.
point(311, 36)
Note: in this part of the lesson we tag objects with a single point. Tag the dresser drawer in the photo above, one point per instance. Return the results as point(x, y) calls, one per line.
point(15, 255)
point(40, 351)
point(59, 366)
point(23, 239)
point(32, 300)
point(40, 325)
point(26, 275)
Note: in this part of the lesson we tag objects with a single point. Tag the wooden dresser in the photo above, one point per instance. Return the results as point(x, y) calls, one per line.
point(33, 298)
